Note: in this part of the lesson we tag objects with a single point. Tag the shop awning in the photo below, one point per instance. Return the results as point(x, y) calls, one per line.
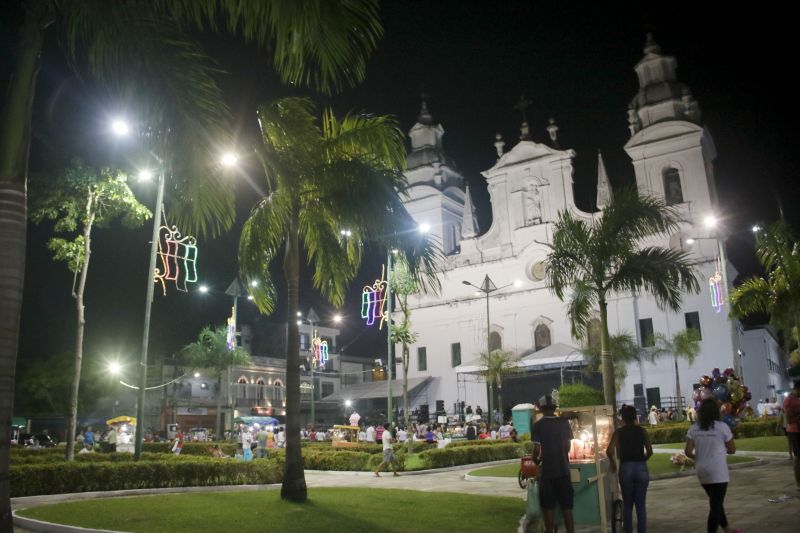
point(375, 389)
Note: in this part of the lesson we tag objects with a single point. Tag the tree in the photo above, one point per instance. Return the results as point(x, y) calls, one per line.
point(595, 260)
point(684, 344)
point(778, 292)
point(404, 285)
point(321, 181)
point(77, 199)
point(148, 47)
point(211, 351)
point(623, 348)
point(496, 365)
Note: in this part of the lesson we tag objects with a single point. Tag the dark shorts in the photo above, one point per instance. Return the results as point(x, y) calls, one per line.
point(556, 490)
point(794, 443)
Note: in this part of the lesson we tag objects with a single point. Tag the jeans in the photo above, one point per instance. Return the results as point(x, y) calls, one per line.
point(634, 478)
point(716, 512)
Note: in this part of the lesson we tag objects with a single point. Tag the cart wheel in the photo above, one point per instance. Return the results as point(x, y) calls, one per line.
point(523, 481)
point(616, 517)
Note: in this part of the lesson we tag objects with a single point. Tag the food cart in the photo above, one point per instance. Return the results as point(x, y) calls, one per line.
point(592, 480)
point(344, 436)
point(125, 427)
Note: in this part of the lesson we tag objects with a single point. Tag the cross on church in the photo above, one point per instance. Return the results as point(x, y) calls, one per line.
point(522, 106)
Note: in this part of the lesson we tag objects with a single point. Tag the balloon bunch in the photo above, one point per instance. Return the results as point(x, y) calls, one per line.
point(729, 392)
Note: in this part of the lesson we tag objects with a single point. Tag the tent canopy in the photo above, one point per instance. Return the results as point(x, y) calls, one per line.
point(260, 420)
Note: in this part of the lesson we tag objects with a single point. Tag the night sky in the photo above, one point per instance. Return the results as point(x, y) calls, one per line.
point(573, 61)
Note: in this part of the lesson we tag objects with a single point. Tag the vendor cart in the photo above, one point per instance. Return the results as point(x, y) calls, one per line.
point(344, 436)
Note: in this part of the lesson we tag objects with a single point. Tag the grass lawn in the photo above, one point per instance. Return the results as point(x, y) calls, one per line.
point(327, 509)
point(752, 444)
point(658, 464)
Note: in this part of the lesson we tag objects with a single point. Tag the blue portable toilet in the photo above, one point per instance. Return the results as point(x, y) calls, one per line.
point(521, 415)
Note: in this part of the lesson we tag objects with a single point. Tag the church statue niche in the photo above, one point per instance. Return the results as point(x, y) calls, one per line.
point(673, 194)
point(533, 205)
point(541, 337)
point(495, 341)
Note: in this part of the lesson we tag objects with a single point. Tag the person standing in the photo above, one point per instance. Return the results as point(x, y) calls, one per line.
point(708, 442)
point(370, 434)
point(111, 439)
point(379, 433)
point(479, 411)
point(791, 414)
point(280, 439)
point(471, 433)
point(653, 416)
point(178, 446)
point(388, 451)
point(551, 437)
point(261, 440)
point(88, 437)
point(631, 445)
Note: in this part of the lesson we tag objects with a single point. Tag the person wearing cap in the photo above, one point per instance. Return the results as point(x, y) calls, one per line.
point(653, 416)
point(551, 437)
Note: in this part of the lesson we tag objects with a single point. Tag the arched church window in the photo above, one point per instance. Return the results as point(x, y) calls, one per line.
point(673, 193)
point(541, 337)
point(495, 342)
point(260, 391)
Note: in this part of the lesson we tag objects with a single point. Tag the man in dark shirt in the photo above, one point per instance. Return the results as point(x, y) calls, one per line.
point(551, 440)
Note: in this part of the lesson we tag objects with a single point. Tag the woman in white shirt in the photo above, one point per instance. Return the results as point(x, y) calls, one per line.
point(708, 442)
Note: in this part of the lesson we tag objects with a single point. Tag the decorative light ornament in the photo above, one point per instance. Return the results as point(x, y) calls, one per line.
point(178, 256)
point(373, 300)
point(716, 289)
point(320, 350)
point(232, 330)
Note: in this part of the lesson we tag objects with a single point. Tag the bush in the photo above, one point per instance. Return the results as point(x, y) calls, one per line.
point(676, 431)
point(463, 455)
point(579, 395)
point(56, 478)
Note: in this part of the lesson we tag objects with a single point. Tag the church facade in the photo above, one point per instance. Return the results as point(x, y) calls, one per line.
point(672, 156)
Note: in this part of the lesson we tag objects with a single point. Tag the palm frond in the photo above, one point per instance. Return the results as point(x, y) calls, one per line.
point(375, 138)
point(579, 310)
point(632, 217)
point(754, 295)
point(569, 256)
point(662, 272)
point(495, 365)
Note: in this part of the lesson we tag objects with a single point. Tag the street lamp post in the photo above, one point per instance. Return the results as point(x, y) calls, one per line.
point(487, 288)
point(312, 319)
point(389, 362)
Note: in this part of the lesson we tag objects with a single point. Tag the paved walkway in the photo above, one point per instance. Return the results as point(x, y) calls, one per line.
point(673, 505)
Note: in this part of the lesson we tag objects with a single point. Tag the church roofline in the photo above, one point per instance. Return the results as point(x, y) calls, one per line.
point(525, 151)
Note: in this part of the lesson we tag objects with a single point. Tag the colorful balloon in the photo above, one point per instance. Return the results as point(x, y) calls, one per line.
point(715, 373)
point(705, 393)
point(726, 408)
point(705, 381)
point(721, 393)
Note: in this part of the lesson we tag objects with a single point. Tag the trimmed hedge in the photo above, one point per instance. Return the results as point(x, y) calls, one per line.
point(29, 480)
point(676, 432)
point(463, 455)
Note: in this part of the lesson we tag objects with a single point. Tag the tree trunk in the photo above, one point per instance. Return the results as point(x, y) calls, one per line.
point(294, 481)
point(218, 428)
point(606, 361)
point(406, 415)
point(679, 411)
point(15, 134)
point(500, 400)
point(79, 328)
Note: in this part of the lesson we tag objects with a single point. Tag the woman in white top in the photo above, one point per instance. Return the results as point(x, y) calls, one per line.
point(708, 442)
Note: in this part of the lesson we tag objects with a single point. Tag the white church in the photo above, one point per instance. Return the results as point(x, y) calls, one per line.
point(673, 159)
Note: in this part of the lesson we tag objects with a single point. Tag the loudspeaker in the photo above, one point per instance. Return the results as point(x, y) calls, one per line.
point(423, 416)
point(440, 407)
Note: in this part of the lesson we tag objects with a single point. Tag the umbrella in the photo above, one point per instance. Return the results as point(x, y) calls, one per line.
point(122, 420)
point(261, 420)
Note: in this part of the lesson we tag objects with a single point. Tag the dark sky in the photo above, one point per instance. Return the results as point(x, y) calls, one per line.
point(573, 60)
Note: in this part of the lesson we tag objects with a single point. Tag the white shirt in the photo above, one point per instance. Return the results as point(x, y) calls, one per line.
point(370, 434)
point(387, 439)
point(711, 456)
point(761, 409)
point(653, 418)
point(280, 440)
point(246, 438)
point(494, 434)
point(402, 435)
point(505, 431)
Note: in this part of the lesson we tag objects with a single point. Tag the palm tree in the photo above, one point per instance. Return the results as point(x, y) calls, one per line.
point(345, 174)
point(624, 349)
point(79, 199)
point(777, 293)
point(149, 47)
point(496, 365)
point(595, 260)
point(211, 351)
point(684, 344)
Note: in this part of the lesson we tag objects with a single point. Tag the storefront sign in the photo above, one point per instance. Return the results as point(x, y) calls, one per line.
point(203, 411)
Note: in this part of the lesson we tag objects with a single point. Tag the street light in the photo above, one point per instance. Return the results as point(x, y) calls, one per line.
point(121, 128)
point(487, 288)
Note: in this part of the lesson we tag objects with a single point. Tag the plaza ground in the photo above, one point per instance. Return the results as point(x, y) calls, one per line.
point(677, 504)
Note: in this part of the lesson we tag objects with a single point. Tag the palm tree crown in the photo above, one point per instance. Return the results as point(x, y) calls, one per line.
point(595, 260)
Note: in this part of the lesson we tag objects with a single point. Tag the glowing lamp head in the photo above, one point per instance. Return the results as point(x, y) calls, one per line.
point(424, 227)
point(756, 228)
point(517, 283)
point(710, 221)
point(114, 368)
point(145, 175)
point(299, 313)
point(120, 127)
point(250, 297)
point(689, 241)
point(229, 159)
point(197, 374)
point(337, 318)
point(203, 288)
point(348, 403)
point(299, 322)
point(254, 283)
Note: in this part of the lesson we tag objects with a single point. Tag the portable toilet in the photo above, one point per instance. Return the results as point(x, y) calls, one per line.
point(521, 415)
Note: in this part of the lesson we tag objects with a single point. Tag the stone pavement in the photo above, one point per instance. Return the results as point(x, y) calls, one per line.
point(673, 505)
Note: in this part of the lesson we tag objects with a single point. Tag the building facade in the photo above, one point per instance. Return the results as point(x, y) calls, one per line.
point(672, 154)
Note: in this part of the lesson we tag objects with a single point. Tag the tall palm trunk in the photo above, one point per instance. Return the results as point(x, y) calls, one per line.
point(500, 399)
point(218, 428)
point(79, 329)
point(294, 481)
point(606, 362)
point(679, 411)
point(15, 134)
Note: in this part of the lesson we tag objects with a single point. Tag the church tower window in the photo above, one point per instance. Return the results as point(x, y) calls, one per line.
point(673, 193)
point(541, 337)
point(495, 342)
